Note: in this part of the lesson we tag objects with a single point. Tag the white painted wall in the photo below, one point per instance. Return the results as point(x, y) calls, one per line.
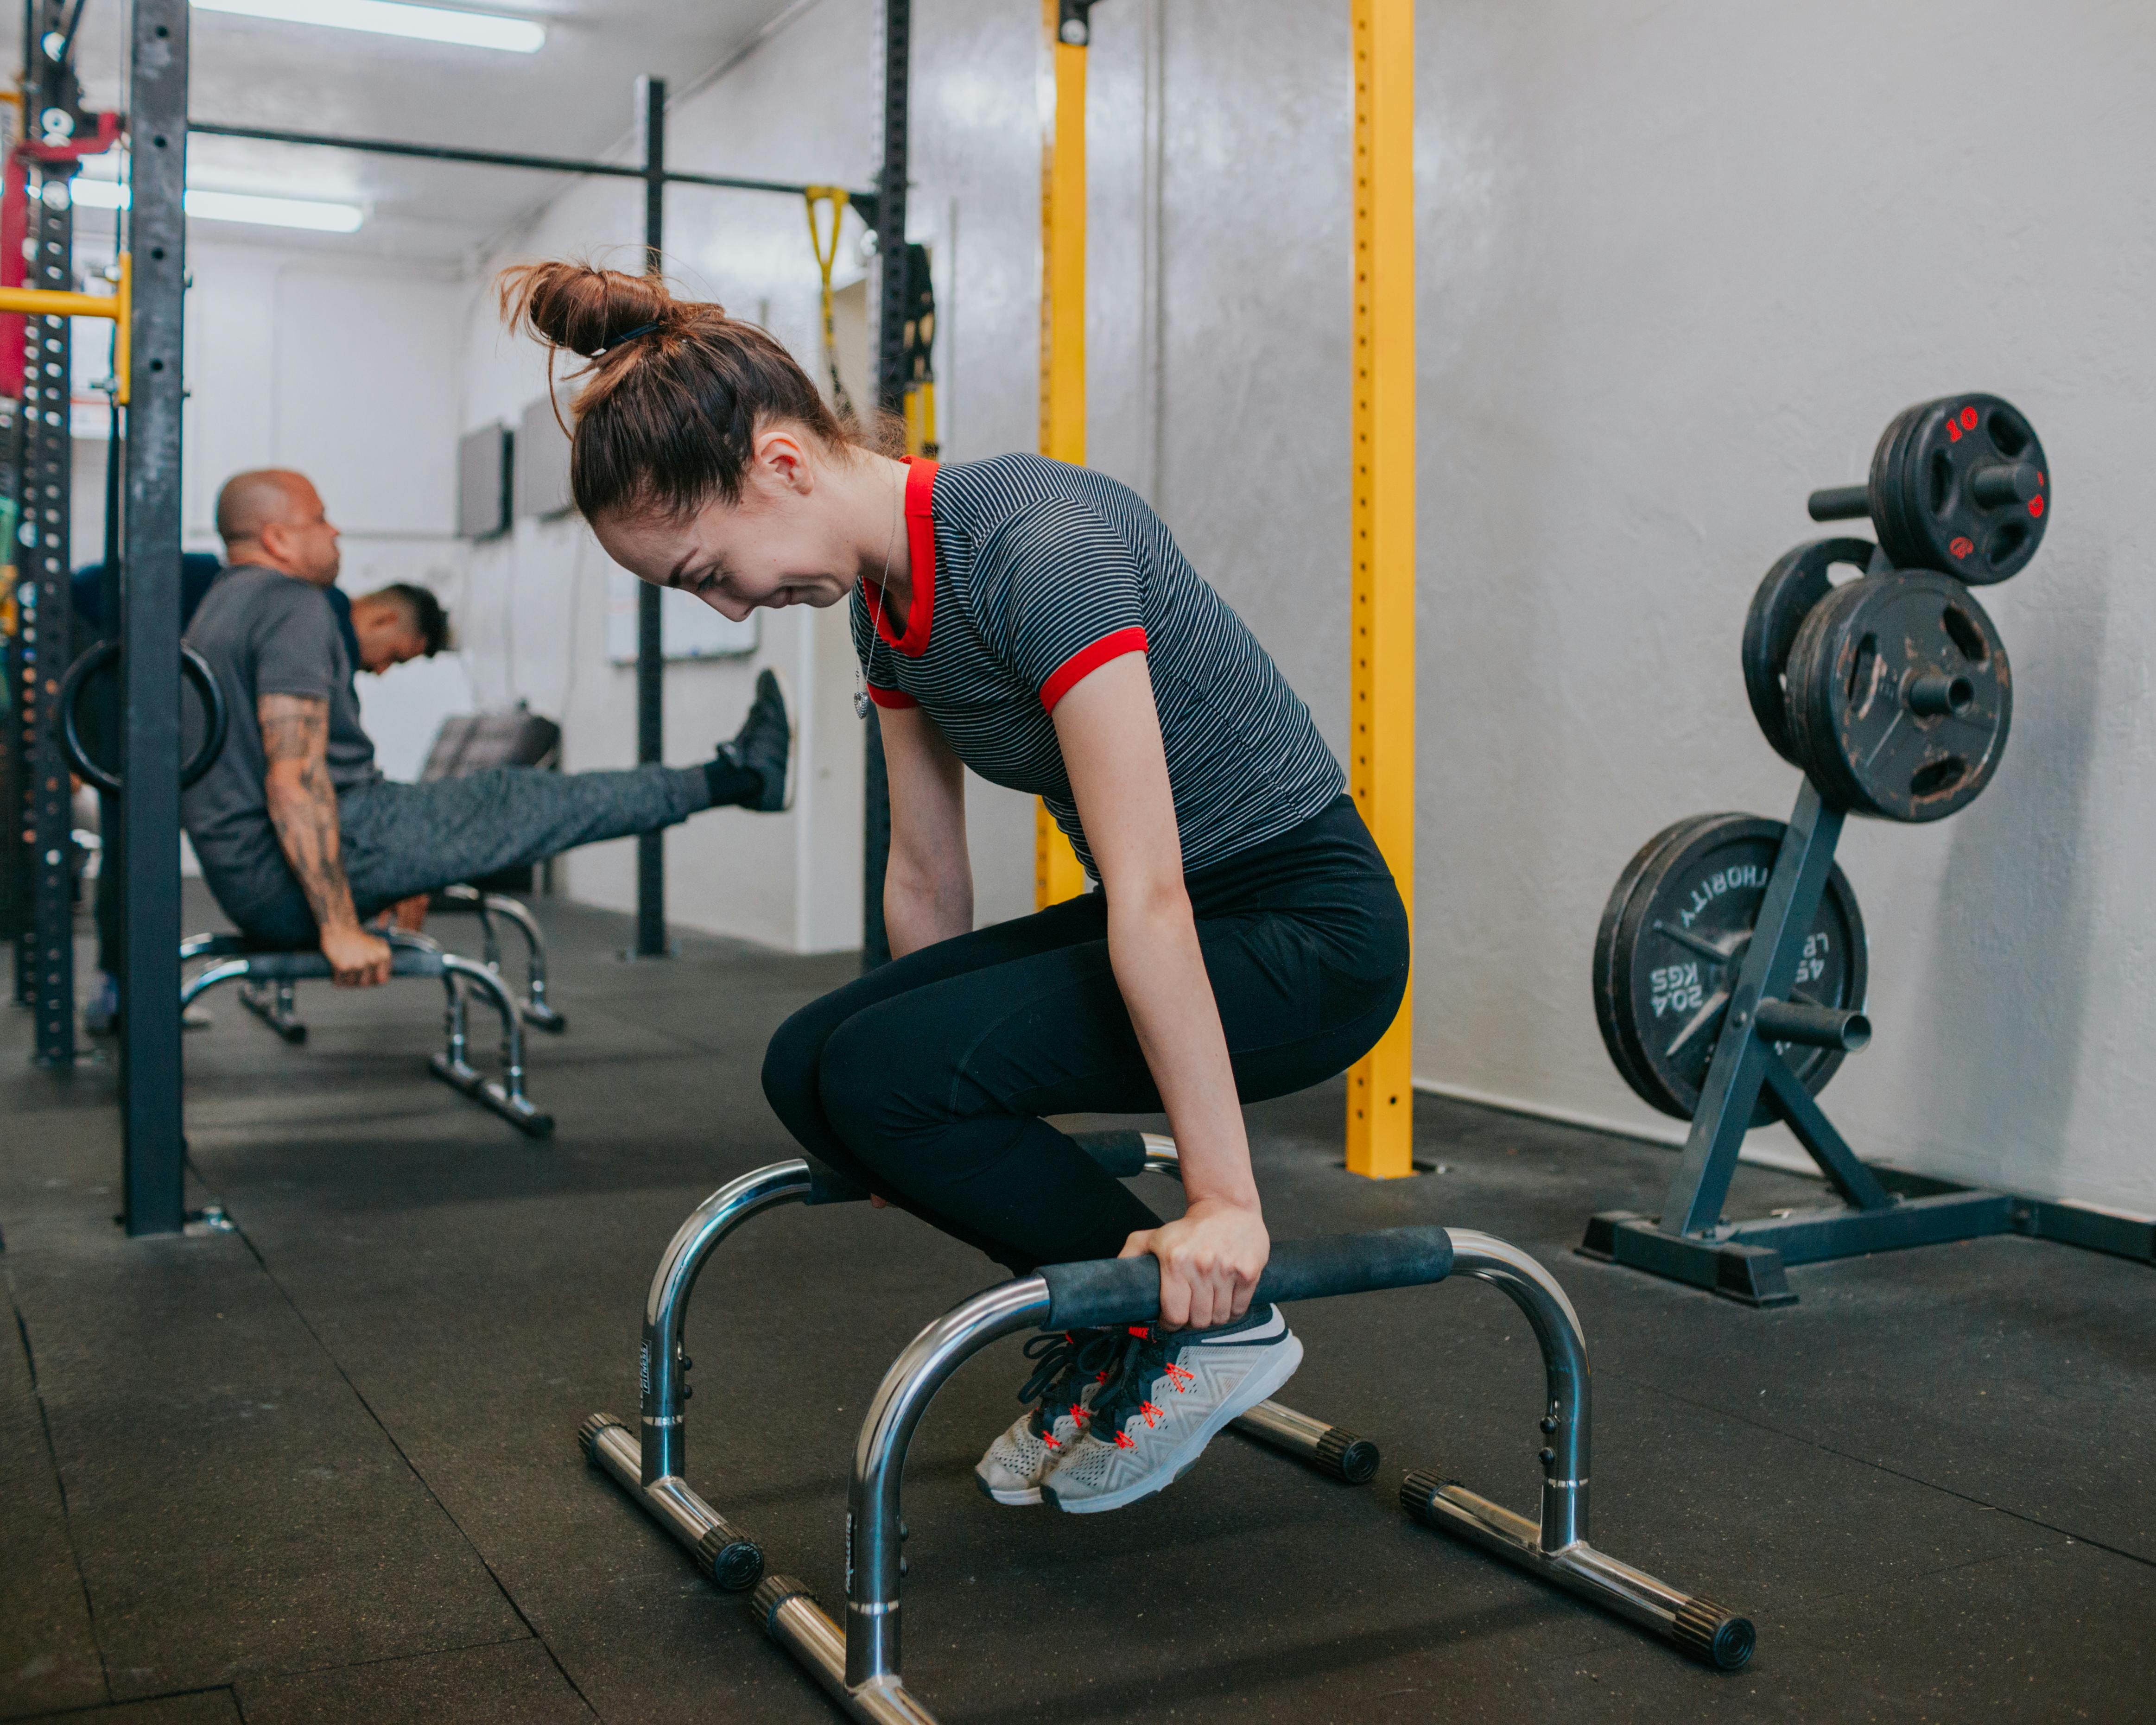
point(1679, 263)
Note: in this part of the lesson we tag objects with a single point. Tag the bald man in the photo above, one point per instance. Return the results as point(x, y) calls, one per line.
point(300, 837)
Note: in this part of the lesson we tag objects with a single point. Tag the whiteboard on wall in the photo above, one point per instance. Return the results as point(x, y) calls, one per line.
point(689, 628)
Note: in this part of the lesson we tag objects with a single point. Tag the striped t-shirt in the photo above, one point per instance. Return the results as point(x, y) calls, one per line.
point(1028, 574)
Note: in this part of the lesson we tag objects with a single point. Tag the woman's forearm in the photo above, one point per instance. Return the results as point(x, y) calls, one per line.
point(1160, 969)
point(919, 910)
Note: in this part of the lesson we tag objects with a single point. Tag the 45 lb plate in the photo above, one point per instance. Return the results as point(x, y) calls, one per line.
point(1674, 935)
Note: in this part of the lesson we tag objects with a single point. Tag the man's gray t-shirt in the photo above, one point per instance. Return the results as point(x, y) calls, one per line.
point(265, 633)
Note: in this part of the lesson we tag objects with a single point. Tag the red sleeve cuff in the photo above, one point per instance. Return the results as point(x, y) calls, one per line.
point(1086, 660)
point(890, 697)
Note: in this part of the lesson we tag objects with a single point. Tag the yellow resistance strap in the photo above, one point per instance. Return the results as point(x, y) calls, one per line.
point(827, 254)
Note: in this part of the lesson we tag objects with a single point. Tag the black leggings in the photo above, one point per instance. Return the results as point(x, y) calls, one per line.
point(925, 1080)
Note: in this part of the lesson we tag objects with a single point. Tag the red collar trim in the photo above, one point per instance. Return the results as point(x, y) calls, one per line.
point(921, 552)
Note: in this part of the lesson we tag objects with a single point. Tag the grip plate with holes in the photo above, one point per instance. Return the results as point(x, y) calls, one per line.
point(1900, 696)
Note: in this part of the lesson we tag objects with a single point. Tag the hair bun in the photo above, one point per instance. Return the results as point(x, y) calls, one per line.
point(580, 307)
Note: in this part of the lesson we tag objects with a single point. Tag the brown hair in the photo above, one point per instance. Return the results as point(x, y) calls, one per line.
point(666, 419)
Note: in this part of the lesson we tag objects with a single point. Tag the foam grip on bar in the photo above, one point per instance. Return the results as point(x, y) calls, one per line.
point(1122, 1152)
point(1127, 1290)
point(733, 1561)
point(587, 1436)
point(1714, 1636)
point(775, 1591)
point(827, 1187)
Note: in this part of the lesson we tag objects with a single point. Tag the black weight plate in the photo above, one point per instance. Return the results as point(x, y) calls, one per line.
point(1605, 982)
point(1682, 940)
point(1924, 489)
point(1886, 498)
point(1902, 697)
point(1822, 764)
point(1797, 581)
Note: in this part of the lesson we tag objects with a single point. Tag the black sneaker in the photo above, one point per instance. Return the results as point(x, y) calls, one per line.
point(764, 745)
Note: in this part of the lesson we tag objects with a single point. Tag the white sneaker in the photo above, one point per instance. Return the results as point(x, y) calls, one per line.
point(1172, 1391)
point(1071, 1369)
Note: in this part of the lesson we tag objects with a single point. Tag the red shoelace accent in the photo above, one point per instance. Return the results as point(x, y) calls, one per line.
point(1154, 1414)
point(1181, 1377)
point(1124, 1441)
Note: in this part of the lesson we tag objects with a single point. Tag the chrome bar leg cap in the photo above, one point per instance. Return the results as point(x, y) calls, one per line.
point(1715, 1636)
point(775, 1591)
point(733, 1561)
point(587, 1435)
point(1419, 1489)
point(1350, 1458)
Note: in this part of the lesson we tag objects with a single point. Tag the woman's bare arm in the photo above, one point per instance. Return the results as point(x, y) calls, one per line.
point(1110, 732)
point(928, 886)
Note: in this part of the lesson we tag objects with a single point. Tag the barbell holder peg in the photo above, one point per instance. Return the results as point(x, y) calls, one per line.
point(1934, 694)
point(1813, 1026)
point(1840, 503)
point(2005, 484)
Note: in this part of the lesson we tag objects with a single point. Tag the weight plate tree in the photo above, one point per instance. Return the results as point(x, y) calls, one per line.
point(1797, 583)
point(1680, 928)
point(1900, 696)
point(1959, 484)
point(1730, 966)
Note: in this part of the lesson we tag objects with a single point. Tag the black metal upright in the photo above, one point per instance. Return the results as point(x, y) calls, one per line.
point(14, 883)
point(44, 949)
point(650, 645)
point(150, 627)
point(890, 398)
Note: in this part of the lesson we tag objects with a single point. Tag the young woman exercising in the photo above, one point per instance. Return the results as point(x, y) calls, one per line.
point(1035, 622)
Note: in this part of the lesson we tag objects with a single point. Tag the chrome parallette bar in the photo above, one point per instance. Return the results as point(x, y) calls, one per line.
point(505, 1096)
point(1557, 1548)
point(651, 1470)
point(792, 1618)
point(533, 1007)
point(858, 1662)
point(661, 1369)
point(272, 1002)
point(873, 1565)
point(410, 955)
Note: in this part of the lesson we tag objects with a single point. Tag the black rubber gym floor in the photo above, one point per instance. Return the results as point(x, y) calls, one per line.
point(323, 1467)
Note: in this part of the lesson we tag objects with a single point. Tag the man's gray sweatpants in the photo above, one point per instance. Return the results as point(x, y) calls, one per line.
point(400, 839)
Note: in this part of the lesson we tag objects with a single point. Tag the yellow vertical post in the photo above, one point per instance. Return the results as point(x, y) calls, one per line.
point(1057, 873)
point(1381, 769)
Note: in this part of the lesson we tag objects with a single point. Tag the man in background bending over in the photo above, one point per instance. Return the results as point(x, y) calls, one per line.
point(300, 835)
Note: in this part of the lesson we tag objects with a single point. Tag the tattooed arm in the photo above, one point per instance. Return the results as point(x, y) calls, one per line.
point(303, 808)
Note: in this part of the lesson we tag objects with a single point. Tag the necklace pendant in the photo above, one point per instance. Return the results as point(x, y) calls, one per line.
point(860, 703)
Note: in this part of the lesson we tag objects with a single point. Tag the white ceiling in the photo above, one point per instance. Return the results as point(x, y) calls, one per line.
point(575, 97)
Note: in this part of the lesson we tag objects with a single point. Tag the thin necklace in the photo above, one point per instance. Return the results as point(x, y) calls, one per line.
point(876, 616)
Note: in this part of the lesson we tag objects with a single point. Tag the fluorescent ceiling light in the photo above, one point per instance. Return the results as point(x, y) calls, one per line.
point(320, 216)
point(389, 17)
